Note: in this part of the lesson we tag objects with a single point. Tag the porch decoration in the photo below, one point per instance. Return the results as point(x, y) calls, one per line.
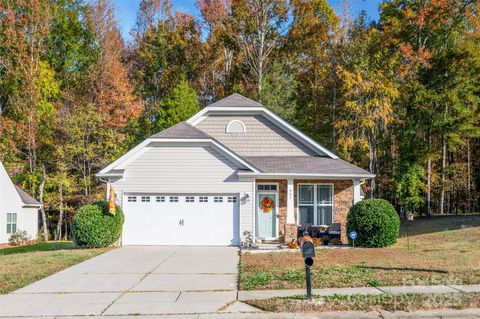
point(267, 205)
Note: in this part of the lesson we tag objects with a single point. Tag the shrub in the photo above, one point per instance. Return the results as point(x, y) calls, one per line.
point(376, 222)
point(20, 237)
point(94, 226)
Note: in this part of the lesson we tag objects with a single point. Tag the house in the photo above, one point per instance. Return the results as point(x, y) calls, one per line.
point(233, 169)
point(18, 210)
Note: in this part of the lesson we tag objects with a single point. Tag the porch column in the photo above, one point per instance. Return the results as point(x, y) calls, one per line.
point(290, 205)
point(356, 191)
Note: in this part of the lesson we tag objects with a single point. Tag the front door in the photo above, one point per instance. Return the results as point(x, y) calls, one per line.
point(267, 215)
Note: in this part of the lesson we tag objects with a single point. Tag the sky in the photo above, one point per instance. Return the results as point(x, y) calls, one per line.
point(126, 10)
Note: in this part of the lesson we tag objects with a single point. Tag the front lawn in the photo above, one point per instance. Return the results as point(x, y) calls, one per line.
point(443, 250)
point(401, 302)
point(20, 266)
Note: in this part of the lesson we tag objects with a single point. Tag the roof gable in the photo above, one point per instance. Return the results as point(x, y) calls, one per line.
point(228, 106)
point(181, 130)
point(235, 100)
point(26, 199)
point(7, 186)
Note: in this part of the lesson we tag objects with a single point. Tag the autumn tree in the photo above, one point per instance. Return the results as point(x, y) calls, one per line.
point(436, 92)
point(256, 28)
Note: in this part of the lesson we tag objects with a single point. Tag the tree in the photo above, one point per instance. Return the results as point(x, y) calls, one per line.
point(279, 92)
point(256, 27)
point(369, 90)
point(179, 106)
point(426, 33)
point(169, 51)
point(410, 188)
point(311, 47)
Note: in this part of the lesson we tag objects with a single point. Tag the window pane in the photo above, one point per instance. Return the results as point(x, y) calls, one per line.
point(9, 228)
point(9, 218)
point(306, 194)
point(306, 215)
point(14, 228)
point(324, 194)
point(14, 217)
point(324, 215)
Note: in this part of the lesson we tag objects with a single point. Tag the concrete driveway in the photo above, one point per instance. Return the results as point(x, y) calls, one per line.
point(134, 280)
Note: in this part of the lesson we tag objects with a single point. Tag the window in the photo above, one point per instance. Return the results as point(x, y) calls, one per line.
point(235, 126)
point(203, 199)
point(266, 187)
point(173, 199)
point(189, 199)
point(145, 199)
point(11, 223)
point(218, 199)
point(132, 199)
point(315, 204)
point(160, 199)
point(232, 199)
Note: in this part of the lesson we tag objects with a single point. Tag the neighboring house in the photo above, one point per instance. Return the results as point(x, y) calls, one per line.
point(18, 210)
point(233, 168)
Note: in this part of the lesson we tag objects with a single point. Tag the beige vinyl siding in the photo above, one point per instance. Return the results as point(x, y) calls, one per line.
point(186, 170)
point(262, 137)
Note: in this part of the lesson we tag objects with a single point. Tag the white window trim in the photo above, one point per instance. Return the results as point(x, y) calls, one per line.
point(235, 121)
point(315, 205)
point(12, 223)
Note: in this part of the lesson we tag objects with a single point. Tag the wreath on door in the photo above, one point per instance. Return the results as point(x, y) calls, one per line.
point(267, 205)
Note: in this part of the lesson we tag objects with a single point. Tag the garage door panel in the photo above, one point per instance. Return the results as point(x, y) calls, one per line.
point(181, 222)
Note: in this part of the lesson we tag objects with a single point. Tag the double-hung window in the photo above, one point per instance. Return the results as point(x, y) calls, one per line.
point(315, 204)
point(11, 223)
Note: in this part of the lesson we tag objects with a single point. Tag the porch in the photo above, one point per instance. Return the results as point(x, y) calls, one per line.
point(286, 206)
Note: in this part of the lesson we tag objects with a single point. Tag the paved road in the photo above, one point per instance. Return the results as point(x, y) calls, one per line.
point(134, 280)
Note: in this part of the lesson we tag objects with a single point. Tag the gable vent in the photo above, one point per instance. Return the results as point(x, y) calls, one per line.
point(235, 126)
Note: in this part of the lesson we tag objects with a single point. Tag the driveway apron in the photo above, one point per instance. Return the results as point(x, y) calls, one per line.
point(134, 280)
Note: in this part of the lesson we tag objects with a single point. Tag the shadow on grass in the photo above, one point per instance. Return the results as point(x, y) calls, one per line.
point(57, 245)
point(425, 225)
point(438, 271)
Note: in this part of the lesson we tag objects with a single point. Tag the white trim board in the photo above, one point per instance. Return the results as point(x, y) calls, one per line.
point(304, 176)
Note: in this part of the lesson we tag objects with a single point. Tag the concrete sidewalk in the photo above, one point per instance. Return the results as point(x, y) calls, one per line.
point(431, 314)
point(265, 294)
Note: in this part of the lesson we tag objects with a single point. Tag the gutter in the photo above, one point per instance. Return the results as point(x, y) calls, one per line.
point(306, 175)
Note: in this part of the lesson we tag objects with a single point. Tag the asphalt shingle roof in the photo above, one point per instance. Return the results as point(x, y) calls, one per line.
point(26, 199)
point(235, 100)
point(304, 165)
point(182, 130)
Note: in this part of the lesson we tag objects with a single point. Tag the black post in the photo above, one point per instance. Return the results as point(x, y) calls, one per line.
point(309, 282)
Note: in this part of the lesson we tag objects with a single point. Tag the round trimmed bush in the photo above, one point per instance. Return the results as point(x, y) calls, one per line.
point(94, 226)
point(376, 222)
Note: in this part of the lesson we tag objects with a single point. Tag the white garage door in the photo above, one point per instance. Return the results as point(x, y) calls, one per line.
point(181, 219)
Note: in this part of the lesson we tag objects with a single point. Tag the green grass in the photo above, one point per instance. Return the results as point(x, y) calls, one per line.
point(433, 255)
point(58, 245)
point(21, 266)
point(389, 302)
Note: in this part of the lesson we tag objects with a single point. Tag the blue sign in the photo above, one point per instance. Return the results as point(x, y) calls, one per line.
point(353, 235)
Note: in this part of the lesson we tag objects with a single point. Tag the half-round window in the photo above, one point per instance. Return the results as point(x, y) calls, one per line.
point(235, 126)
